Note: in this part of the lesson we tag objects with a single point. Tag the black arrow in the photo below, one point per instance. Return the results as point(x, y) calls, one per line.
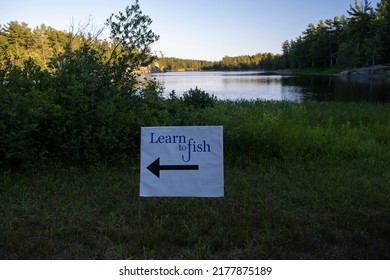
point(155, 167)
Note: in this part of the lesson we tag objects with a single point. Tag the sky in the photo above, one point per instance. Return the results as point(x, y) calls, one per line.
point(193, 29)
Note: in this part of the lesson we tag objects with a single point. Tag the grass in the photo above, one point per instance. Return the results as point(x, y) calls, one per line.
point(302, 181)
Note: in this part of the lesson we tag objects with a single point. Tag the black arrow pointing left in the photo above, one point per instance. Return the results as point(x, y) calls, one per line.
point(155, 167)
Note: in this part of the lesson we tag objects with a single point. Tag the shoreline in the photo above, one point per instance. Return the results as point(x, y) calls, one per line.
point(377, 71)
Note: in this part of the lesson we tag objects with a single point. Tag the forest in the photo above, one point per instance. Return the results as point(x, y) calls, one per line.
point(362, 38)
point(264, 61)
point(43, 45)
point(178, 64)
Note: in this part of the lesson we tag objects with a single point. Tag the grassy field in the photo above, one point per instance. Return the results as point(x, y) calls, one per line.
point(302, 181)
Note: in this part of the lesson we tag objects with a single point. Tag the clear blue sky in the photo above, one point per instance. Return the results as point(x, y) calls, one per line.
point(196, 29)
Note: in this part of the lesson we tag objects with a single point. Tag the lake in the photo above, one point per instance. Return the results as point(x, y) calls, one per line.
point(256, 85)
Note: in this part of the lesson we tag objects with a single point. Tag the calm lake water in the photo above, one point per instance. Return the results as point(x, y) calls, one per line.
point(256, 85)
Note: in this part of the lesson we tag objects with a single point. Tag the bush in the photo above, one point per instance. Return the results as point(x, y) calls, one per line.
point(199, 99)
point(87, 104)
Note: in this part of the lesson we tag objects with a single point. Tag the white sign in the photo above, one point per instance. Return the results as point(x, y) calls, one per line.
point(182, 161)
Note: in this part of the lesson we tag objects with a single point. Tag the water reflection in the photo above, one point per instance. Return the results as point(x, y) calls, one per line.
point(340, 88)
point(256, 85)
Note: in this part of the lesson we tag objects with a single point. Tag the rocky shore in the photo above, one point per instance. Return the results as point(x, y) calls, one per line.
point(151, 69)
point(373, 71)
point(377, 71)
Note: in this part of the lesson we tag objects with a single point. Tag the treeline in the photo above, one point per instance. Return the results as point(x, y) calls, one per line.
point(260, 61)
point(178, 64)
point(18, 43)
point(361, 39)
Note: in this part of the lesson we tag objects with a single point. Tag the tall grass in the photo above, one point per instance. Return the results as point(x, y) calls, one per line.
point(302, 181)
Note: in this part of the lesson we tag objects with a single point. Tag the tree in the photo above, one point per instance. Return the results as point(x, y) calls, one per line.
point(131, 38)
point(332, 40)
point(100, 69)
point(286, 57)
point(361, 32)
point(362, 39)
point(18, 39)
point(383, 28)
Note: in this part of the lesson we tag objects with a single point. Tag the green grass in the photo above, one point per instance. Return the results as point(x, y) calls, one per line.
point(302, 181)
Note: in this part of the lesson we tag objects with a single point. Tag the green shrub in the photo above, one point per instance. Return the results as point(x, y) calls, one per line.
point(199, 99)
point(89, 106)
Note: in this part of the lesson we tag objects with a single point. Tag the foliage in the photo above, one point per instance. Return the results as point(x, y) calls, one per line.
point(199, 99)
point(177, 64)
point(131, 39)
point(302, 181)
point(362, 39)
point(260, 61)
point(84, 104)
point(18, 42)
